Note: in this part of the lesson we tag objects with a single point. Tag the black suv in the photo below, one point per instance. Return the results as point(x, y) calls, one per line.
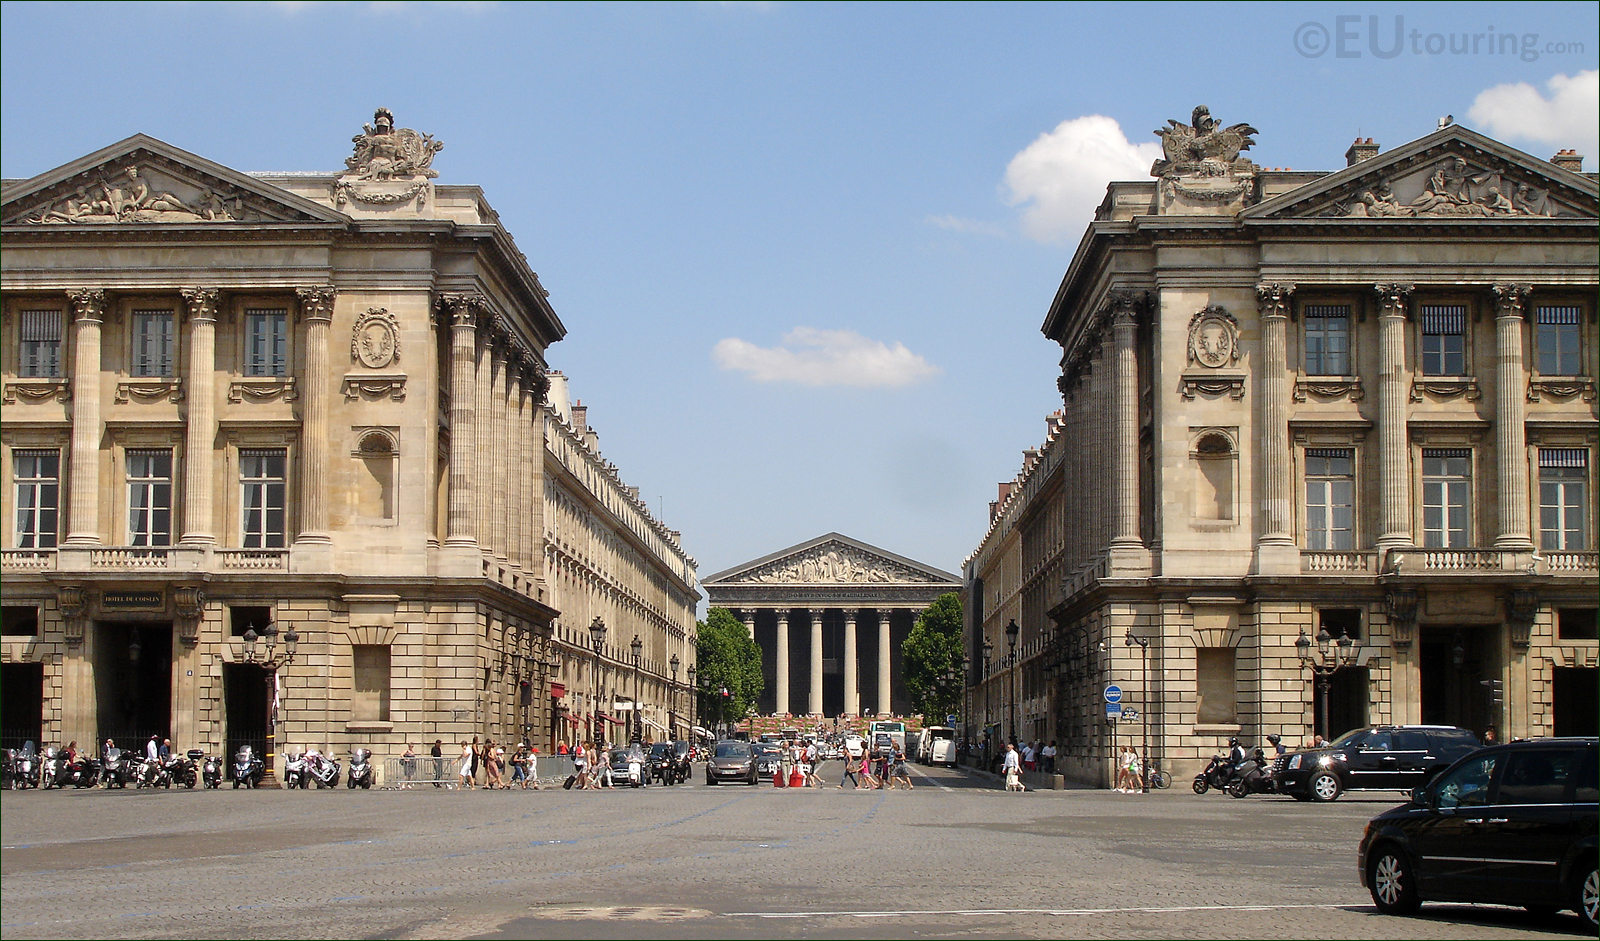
point(1509, 824)
point(1377, 758)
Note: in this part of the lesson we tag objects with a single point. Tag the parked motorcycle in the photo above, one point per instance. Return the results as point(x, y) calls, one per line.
point(183, 770)
point(247, 768)
point(211, 771)
point(360, 769)
point(1216, 774)
point(150, 772)
point(114, 770)
point(84, 772)
point(27, 770)
point(1253, 777)
point(322, 770)
point(294, 771)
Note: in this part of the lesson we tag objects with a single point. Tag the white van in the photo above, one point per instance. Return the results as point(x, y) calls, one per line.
point(939, 745)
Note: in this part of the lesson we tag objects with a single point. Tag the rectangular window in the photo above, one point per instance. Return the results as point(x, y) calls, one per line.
point(1564, 499)
point(1444, 340)
point(261, 489)
point(37, 478)
point(19, 620)
point(1327, 339)
point(369, 701)
point(1556, 339)
point(1340, 622)
point(152, 343)
point(1216, 700)
point(1330, 499)
point(150, 498)
point(266, 342)
point(1577, 623)
point(1446, 498)
point(246, 617)
point(39, 344)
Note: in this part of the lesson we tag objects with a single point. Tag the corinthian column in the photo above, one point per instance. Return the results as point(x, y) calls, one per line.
point(1125, 421)
point(201, 427)
point(1272, 411)
point(83, 507)
point(885, 658)
point(748, 615)
point(815, 700)
point(316, 309)
point(1511, 439)
point(462, 311)
point(852, 696)
point(783, 662)
point(1394, 476)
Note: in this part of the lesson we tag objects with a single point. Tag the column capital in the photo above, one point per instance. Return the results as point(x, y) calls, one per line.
point(464, 308)
point(316, 302)
point(1394, 299)
point(1273, 299)
point(201, 302)
point(88, 303)
point(1509, 299)
point(1124, 307)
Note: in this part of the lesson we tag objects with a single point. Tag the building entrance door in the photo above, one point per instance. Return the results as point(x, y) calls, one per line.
point(245, 687)
point(1575, 705)
point(1454, 662)
point(22, 712)
point(1348, 695)
point(133, 682)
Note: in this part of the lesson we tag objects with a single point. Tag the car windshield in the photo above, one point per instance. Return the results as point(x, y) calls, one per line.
point(733, 750)
point(660, 749)
point(1348, 739)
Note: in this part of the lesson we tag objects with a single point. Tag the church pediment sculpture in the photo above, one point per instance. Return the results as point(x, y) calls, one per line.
point(834, 563)
point(1451, 187)
point(1200, 169)
point(133, 193)
point(390, 165)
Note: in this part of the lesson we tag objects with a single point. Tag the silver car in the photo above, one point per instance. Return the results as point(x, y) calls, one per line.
point(731, 761)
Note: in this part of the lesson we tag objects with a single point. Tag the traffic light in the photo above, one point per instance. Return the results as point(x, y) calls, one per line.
point(1497, 693)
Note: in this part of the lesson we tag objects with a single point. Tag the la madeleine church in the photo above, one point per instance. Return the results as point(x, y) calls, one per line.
point(307, 406)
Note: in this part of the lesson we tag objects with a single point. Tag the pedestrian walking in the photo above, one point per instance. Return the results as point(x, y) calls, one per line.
point(475, 757)
point(532, 759)
point(900, 772)
point(580, 765)
point(785, 764)
point(469, 758)
point(813, 755)
point(408, 765)
point(1011, 766)
point(438, 762)
point(519, 766)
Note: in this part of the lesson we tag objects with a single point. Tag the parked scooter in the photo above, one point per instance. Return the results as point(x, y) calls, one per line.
point(27, 771)
point(1253, 777)
point(182, 769)
point(294, 771)
point(323, 771)
point(211, 772)
point(1216, 774)
point(150, 772)
point(247, 768)
point(360, 769)
point(84, 772)
point(114, 771)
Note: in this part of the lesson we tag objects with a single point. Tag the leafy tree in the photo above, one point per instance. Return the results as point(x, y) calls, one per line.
point(930, 650)
point(727, 658)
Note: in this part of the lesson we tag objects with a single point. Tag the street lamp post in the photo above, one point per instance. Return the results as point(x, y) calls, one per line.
point(597, 633)
point(1144, 705)
point(1331, 657)
point(1012, 630)
point(694, 701)
point(988, 654)
point(553, 664)
point(638, 720)
point(672, 704)
point(270, 660)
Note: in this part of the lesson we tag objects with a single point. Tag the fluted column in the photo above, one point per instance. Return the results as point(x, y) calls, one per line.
point(83, 508)
point(1125, 420)
point(815, 700)
point(316, 311)
point(1511, 437)
point(885, 660)
point(852, 696)
point(1394, 476)
point(499, 380)
point(748, 615)
point(462, 313)
point(1272, 410)
point(200, 429)
point(782, 669)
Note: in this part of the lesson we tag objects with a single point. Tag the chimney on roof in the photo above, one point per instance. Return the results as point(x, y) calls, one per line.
point(1005, 491)
point(1359, 151)
point(580, 417)
point(1568, 160)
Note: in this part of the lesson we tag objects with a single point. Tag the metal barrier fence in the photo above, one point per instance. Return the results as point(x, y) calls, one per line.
point(426, 770)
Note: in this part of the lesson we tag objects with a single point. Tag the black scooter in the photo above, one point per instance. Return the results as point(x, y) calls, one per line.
point(247, 768)
point(1253, 777)
point(1215, 775)
point(211, 772)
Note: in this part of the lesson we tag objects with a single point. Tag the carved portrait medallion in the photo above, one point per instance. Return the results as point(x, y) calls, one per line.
point(1213, 338)
point(375, 341)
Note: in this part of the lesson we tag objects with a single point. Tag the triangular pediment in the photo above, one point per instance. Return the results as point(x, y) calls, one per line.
point(1453, 175)
point(144, 181)
point(832, 559)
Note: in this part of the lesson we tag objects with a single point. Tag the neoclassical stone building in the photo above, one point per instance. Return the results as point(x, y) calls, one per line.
point(311, 400)
point(1358, 402)
point(830, 615)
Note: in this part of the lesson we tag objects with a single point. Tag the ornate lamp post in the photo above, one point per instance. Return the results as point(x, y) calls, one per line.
point(553, 664)
point(270, 660)
point(672, 704)
point(694, 701)
point(1144, 703)
point(597, 633)
point(1331, 657)
point(1012, 630)
point(638, 720)
point(988, 655)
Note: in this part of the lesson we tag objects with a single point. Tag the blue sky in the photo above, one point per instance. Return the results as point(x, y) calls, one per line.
point(802, 251)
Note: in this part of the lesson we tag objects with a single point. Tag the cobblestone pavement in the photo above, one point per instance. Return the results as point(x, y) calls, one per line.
point(955, 858)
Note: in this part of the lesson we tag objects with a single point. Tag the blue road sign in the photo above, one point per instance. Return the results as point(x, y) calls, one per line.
point(950, 720)
point(1113, 693)
point(1113, 709)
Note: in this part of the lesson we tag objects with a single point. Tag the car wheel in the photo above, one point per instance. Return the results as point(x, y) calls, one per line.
point(1201, 785)
point(1324, 786)
point(1588, 894)
point(1392, 882)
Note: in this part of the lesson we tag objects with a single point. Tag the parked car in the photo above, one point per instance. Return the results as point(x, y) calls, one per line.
point(938, 746)
point(1510, 824)
point(1376, 758)
point(731, 761)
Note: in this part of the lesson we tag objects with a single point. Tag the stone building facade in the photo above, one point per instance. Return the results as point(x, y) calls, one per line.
point(829, 615)
point(1359, 402)
point(311, 400)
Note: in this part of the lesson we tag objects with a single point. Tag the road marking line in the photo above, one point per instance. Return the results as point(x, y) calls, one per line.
point(927, 777)
point(1178, 909)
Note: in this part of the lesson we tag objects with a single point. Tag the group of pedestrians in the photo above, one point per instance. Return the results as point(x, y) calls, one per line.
point(489, 757)
point(864, 768)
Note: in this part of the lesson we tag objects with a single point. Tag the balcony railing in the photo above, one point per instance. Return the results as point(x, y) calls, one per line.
point(131, 557)
point(1570, 563)
point(1461, 560)
point(38, 560)
point(253, 560)
point(1355, 563)
point(1449, 562)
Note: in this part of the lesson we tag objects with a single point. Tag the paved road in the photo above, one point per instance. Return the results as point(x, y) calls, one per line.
point(953, 859)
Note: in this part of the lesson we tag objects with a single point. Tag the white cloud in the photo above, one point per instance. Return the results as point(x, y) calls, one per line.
point(1569, 117)
point(1060, 178)
point(813, 357)
point(967, 226)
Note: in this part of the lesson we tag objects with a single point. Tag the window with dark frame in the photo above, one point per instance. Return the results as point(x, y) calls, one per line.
point(245, 617)
point(36, 483)
point(1340, 622)
point(1577, 623)
point(1564, 499)
point(1330, 499)
point(262, 494)
point(1444, 340)
point(1446, 498)
point(19, 620)
point(1557, 340)
point(149, 497)
point(266, 342)
point(39, 344)
point(152, 343)
point(1327, 339)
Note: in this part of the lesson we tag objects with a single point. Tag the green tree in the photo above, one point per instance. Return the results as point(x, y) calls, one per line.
point(727, 658)
point(931, 649)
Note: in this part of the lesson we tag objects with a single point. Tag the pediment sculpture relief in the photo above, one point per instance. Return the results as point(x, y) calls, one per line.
point(390, 165)
point(1451, 188)
point(134, 194)
point(834, 563)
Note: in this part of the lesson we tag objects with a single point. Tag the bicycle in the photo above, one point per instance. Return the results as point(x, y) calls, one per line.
point(1158, 778)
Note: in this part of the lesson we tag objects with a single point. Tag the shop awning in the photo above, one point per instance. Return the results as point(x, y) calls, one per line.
point(654, 724)
point(611, 720)
point(558, 690)
point(573, 719)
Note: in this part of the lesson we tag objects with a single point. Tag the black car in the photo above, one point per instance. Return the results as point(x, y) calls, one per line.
point(1510, 824)
point(1377, 758)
